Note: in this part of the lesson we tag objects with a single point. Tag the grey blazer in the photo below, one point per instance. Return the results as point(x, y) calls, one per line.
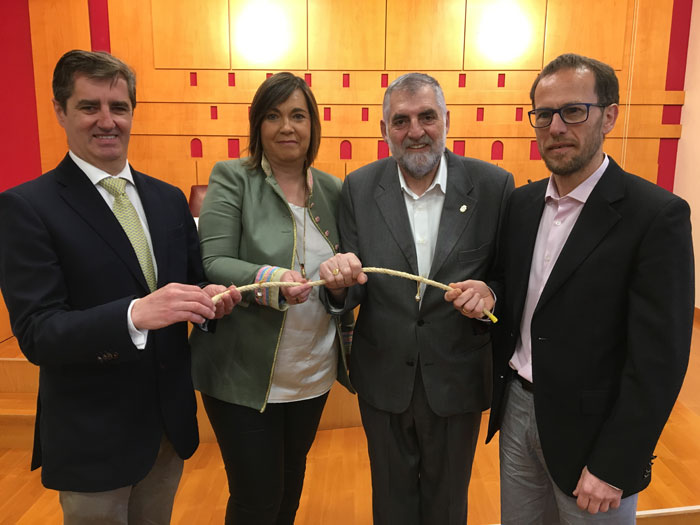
point(393, 335)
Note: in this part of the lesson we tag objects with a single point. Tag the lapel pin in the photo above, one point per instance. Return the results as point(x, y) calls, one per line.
point(463, 208)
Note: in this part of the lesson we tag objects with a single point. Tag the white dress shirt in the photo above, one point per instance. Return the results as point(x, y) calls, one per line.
point(424, 213)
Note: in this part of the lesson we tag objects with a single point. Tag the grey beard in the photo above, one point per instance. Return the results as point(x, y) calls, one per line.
point(417, 166)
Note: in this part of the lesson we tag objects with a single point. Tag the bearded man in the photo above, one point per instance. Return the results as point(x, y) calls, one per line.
point(422, 371)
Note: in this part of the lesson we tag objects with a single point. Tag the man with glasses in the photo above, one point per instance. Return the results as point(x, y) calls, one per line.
point(595, 295)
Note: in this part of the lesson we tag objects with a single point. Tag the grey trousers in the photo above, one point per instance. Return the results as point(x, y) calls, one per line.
point(148, 502)
point(528, 493)
point(420, 462)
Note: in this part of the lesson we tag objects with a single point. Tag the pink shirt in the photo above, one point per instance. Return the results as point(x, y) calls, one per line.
point(558, 219)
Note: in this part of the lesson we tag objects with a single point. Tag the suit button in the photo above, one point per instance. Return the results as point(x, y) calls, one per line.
point(420, 322)
point(410, 362)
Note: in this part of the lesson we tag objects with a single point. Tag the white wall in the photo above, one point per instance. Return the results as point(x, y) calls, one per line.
point(687, 180)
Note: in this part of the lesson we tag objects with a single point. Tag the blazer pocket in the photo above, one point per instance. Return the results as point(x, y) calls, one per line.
point(595, 402)
point(468, 256)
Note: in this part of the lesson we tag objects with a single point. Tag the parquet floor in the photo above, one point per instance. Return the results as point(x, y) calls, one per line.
point(337, 489)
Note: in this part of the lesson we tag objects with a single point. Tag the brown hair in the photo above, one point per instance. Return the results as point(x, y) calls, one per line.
point(271, 93)
point(607, 87)
point(92, 64)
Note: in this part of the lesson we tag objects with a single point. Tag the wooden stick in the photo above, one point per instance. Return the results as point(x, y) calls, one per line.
point(369, 269)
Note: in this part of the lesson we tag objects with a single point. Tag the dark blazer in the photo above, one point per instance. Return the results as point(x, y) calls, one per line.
point(611, 331)
point(393, 334)
point(68, 274)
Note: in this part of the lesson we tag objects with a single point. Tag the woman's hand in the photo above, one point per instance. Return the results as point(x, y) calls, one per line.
point(294, 294)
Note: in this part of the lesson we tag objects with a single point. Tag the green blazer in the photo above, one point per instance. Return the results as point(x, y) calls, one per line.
point(248, 235)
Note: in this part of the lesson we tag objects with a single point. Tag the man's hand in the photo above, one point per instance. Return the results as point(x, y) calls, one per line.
point(341, 271)
point(594, 495)
point(470, 298)
point(295, 294)
point(172, 304)
point(228, 300)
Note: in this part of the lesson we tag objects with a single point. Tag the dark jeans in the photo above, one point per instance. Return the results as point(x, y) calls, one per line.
point(265, 456)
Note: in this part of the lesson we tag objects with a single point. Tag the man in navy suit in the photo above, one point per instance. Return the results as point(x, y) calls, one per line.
point(595, 294)
point(103, 313)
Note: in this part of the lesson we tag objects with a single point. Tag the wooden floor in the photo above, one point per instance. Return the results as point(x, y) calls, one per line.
point(337, 489)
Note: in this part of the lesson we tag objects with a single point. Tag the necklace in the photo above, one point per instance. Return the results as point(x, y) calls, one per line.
point(302, 261)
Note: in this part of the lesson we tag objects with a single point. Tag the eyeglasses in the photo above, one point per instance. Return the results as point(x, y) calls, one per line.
point(569, 114)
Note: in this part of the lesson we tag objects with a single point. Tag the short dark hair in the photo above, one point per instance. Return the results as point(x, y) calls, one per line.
point(412, 82)
point(271, 93)
point(92, 64)
point(607, 87)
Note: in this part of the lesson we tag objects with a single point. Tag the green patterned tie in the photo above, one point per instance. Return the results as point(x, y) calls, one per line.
point(126, 215)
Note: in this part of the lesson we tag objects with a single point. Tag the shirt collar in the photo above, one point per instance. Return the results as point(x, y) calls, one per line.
point(95, 174)
point(440, 180)
point(583, 190)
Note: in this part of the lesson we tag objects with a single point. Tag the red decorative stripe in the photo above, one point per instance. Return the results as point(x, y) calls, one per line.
point(458, 147)
point(479, 114)
point(234, 150)
point(678, 45)
point(346, 79)
point(326, 113)
point(675, 81)
point(497, 150)
point(534, 151)
point(668, 149)
point(385, 80)
point(501, 80)
point(365, 114)
point(99, 25)
point(307, 79)
point(382, 149)
point(345, 150)
point(518, 114)
point(232, 79)
point(462, 80)
point(19, 133)
point(214, 112)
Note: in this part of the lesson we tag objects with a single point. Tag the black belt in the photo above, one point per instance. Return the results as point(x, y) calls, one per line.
point(527, 386)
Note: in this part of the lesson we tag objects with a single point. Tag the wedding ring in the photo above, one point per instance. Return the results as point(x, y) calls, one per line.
point(336, 271)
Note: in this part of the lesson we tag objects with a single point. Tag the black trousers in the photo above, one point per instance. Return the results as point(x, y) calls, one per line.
point(421, 462)
point(265, 456)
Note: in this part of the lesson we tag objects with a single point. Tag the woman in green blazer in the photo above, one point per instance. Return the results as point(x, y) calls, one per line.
point(266, 371)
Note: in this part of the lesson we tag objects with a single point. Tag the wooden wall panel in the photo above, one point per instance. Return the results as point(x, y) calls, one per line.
point(333, 34)
point(425, 35)
point(57, 26)
point(202, 29)
point(268, 34)
point(650, 51)
point(505, 34)
point(348, 68)
point(190, 119)
point(595, 28)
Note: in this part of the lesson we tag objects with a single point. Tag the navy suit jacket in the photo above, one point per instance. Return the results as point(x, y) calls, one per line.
point(611, 331)
point(68, 273)
point(393, 333)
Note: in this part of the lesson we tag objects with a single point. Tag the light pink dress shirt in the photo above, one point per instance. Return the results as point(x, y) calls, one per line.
point(558, 219)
